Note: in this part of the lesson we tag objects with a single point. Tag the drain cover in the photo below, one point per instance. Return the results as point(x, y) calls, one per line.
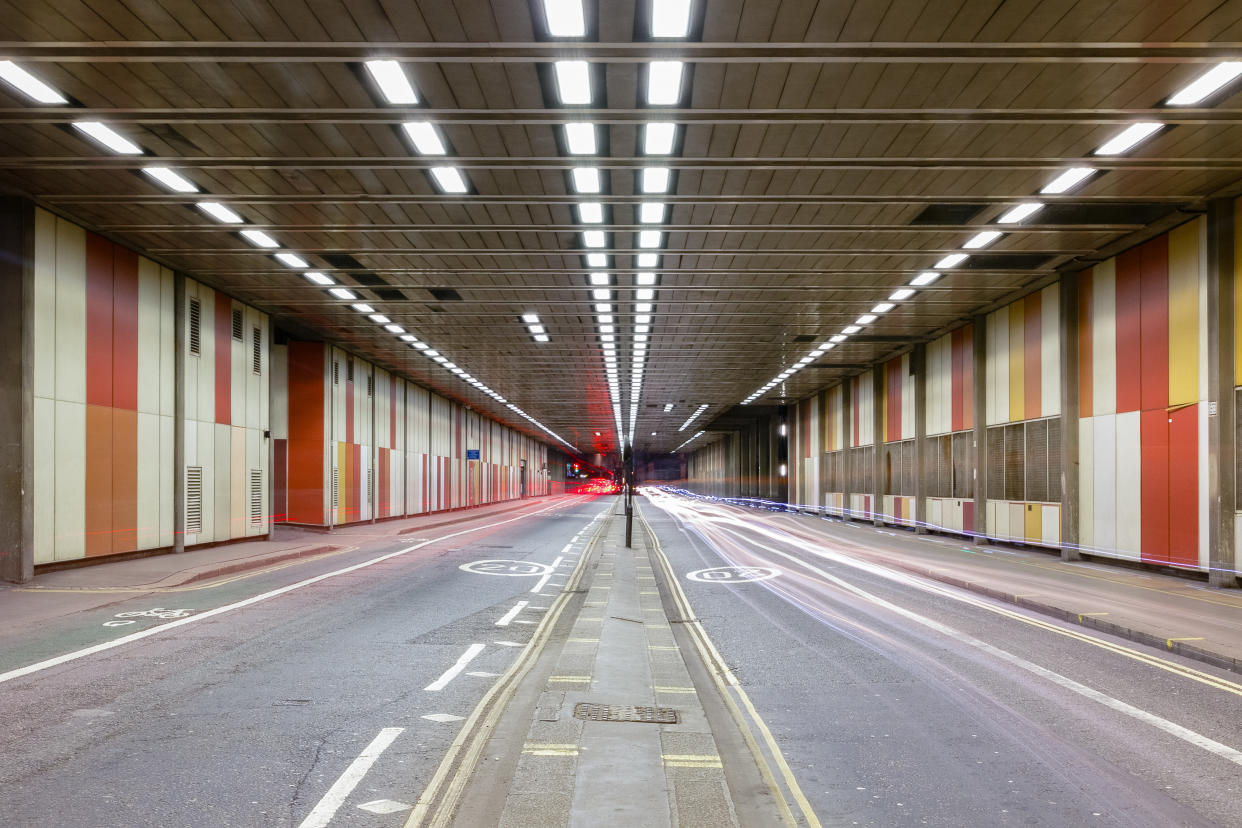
point(624, 713)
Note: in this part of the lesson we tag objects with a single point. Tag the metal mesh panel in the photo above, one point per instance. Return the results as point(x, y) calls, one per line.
point(963, 465)
point(996, 463)
point(1014, 472)
point(1036, 460)
point(890, 469)
point(1056, 491)
point(944, 466)
point(907, 468)
point(833, 479)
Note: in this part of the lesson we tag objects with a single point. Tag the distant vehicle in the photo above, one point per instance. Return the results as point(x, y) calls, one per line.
point(599, 486)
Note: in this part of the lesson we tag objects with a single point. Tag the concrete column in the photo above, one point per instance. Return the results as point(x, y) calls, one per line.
point(918, 362)
point(1069, 418)
point(1222, 442)
point(16, 389)
point(981, 431)
point(877, 464)
point(179, 413)
point(847, 467)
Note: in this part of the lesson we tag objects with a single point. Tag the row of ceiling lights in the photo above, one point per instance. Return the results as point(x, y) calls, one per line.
point(396, 89)
point(1198, 90)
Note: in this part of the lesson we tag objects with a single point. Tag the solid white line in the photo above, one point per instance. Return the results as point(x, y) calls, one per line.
point(511, 614)
point(451, 673)
point(343, 787)
point(544, 579)
point(193, 619)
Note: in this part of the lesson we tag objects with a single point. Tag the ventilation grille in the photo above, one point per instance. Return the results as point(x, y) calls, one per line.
point(256, 497)
point(196, 326)
point(336, 486)
point(256, 356)
point(370, 385)
point(237, 325)
point(349, 370)
point(371, 486)
point(336, 372)
point(193, 500)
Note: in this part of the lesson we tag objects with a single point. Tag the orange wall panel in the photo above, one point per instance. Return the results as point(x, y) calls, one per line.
point(97, 510)
point(306, 432)
point(1129, 331)
point(124, 480)
point(125, 329)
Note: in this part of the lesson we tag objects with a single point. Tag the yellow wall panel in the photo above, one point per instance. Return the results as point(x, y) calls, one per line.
point(1184, 314)
point(1034, 523)
point(1017, 361)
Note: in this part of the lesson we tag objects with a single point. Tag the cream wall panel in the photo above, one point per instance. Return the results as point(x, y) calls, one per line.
point(1128, 483)
point(237, 481)
point(70, 313)
point(279, 383)
point(907, 399)
point(1050, 351)
point(149, 336)
point(997, 367)
point(256, 458)
point(43, 336)
point(70, 480)
point(1104, 487)
point(1017, 520)
point(1086, 483)
point(1104, 338)
point(1051, 526)
point(168, 344)
point(166, 477)
point(207, 362)
point(264, 397)
point(991, 528)
point(239, 368)
point(221, 454)
point(148, 491)
point(44, 467)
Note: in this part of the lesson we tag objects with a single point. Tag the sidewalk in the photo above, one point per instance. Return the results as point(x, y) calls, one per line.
point(1179, 615)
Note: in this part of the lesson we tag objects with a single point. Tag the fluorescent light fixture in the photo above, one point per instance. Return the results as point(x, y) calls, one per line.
point(343, 293)
point(607, 338)
point(1068, 180)
point(219, 212)
point(392, 81)
point(607, 329)
point(317, 278)
point(644, 294)
point(379, 319)
point(1129, 138)
point(642, 329)
point(259, 239)
point(664, 82)
point(642, 319)
point(601, 294)
point(658, 138)
point(642, 307)
point(425, 137)
point(883, 307)
point(603, 307)
point(173, 181)
point(865, 319)
point(537, 329)
point(1202, 86)
point(292, 260)
point(597, 260)
point(644, 278)
point(670, 18)
point(391, 328)
point(651, 212)
point(1019, 212)
point(649, 238)
point(647, 260)
point(29, 85)
point(363, 307)
point(600, 278)
point(573, 81)
point(925, 278)
point(405, 337)
point(440, 359)
point(530, 318)
point(449, 365)
point(449, 179)
point(564, 18)
point(806, 360)
point(586, 179)
point(590, 212)
point(431, 352)
point(593, 238)
point(952, 260)
point(107, 136)
point(580, 138)
point(983, 239)
point(850, 329)
point(654, 180)
point(901, 293)
point(605, 319)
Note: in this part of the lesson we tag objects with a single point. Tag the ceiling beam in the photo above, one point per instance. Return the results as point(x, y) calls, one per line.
point(995, 199)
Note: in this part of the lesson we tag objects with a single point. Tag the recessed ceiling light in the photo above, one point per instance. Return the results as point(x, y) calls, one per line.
point(259, 239)
point(925, 278)
point(393, 328)
point(601, 294)
point(537, 329)
point(647, 260)
point(173, 181)
point(901, 293)
point(425, 137)
point(644, 294)
point(658, 138)
point(607, 329)
point(392, 81)
point(29, 85)
point(604, 319)
point(343, 293)
point(603, 307)
point(379, 319)
point(642, 307)
point(600, 278)
point(1068, 180)
point(651, 213)
point(530, 318)
point(649, 238)
point(315, 277)
point(883, 307)
point(431, 352)
point(586, 179)
point(363, 307)
point(405, 337)
point(642, 319)
point(593, 238)
point(952, 260)
point(655, 180)
point(449, 179)
point(597, 260)
point(219, 212)
point(645, 278)
point(564, 18)
point(1129, 138)
point(292, 260)
point(664, 82)
point(580, 138)
point(440, 359)
point(1207, 83)
point(865, 319)
point(573, 81)
point(590, 212)
point(981, 240)
point(1019, 212)
point(108, 137)
point(850, 329)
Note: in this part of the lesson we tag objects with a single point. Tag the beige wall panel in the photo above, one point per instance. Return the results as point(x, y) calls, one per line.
point(167, 474)
point(278, 379)
point(43, 336)
point(148, 493)
point(222, 483)
point(149, 336)
point(44, 494)
point(70, 483)
point(237, 481)
point(205, 450)
point(70, 312)
point(168, 343)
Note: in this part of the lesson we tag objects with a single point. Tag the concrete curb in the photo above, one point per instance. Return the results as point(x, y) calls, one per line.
point(243, 565)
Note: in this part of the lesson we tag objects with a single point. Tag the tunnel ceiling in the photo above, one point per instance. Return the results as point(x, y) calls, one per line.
point(825, 155)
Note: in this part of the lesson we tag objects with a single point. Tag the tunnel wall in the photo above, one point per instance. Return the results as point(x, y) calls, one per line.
point(987, 453)
point(359, 443)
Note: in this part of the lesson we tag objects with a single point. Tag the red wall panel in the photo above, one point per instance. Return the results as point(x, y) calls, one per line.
point(1129, 332)
point(1154, 316)
point(280, 481)
point(125, 331)
point(224, 358)
point(306, 432)
point(99, 258)
point(1154, 448)
point(1184, 485)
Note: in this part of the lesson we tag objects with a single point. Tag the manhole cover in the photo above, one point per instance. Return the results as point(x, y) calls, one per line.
point(624, 713)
